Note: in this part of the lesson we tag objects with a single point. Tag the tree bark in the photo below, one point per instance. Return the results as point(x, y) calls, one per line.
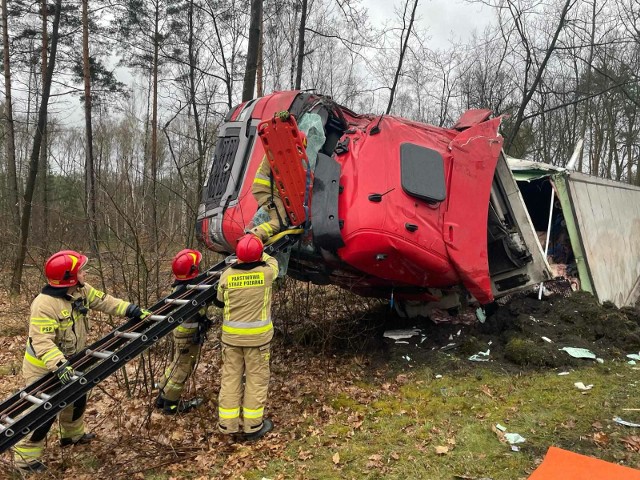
point(252, 51)
point(90, 174)
point(10, 146)
point(301, 31)
point(260, 66)
point(25, 221)
point(403, 49)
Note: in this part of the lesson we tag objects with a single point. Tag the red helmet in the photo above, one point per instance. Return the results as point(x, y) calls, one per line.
point(249, 248)
point(62, 268)
point(185, 264)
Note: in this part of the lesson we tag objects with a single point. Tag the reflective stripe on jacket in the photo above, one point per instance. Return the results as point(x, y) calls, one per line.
point(58, 328)
point(246, 293)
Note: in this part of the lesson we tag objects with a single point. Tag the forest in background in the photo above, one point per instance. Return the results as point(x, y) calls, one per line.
point(123, 182)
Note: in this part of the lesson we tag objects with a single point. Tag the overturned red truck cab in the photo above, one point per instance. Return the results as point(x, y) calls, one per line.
point(398, 208)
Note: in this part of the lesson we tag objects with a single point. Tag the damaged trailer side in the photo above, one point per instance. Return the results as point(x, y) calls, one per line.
point(601, 221)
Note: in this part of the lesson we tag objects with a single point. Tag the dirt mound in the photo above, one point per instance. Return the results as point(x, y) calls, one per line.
point(529, 333)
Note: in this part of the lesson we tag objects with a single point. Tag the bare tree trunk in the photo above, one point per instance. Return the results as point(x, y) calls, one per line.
point(154, 146)
point(585, 116)
point(194, 106)
point(300, 62)
point(528, 92)
point(90, 174)
point(260, 67)
point(252, 51)
point(16, 280)
point(10, 146)
point(403, 48)
point(42, 208)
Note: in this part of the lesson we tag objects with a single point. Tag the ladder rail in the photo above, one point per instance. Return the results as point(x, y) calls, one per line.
point(22, 415)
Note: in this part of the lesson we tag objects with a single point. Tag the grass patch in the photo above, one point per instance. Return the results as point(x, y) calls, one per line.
point(395, 435)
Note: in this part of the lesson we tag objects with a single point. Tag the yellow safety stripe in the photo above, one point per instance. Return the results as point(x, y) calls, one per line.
point(122, 308)
point(34, 360)
point(43, 321)
point(51, 354)
point(261, 181)
point(182, 329)
point(28, 453)
point(263, 310)
point(228, 412)
point(227, 309)
point(267, 228)
point(250, 413)
point(247, 330)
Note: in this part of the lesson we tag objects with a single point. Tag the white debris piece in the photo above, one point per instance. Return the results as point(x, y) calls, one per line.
point(480, 356)
point(400, 334)
point(579, 352)
point(438, 376)
point(634, 356)
point(582, 386)
point(625, 423)
point(563, 373)
point(547, 339)
point(502, 428)
point(514, 438)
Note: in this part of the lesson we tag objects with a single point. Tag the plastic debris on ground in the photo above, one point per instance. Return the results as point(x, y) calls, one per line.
point(401, 334)
point(563, 373)
point(547, 339)
point(480, 315)
point(625, 423)
point(631, 362)
point(480, 356)
point(502, 428)
point(579, 352)
point(582, 386)
point(514, 448)
point(438, 376)
point(407, 358)
point(634, 356)
point(514, 438)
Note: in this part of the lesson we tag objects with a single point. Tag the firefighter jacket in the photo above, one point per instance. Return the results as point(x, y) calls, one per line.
point(262, 181)
point(245, 290)
point(58, 325)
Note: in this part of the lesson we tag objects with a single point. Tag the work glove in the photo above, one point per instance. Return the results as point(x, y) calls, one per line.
point(65, 372)
point(134, 311)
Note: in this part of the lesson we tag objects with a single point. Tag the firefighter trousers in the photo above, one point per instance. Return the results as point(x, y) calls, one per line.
point(178, 372)
point(31, 447)
point(274, 208)
point(253, 364)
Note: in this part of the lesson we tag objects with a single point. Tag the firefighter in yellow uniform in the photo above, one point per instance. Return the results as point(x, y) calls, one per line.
point(187, 338)
point(268, 198)
point(245, 289)
point(58, 328)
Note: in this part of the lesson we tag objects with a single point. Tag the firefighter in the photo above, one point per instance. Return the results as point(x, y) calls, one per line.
point(188, 339)
point(245, 289)
point(268, 198)
point(58, 328)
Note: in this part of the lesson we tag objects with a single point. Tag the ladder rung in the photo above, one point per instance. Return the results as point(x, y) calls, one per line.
point(199, 287)
point(8, 420)
point(44, 396)
point(176, 301)
point(157, 318)
point(31, 398)
point(103, 354)
point(132, 335)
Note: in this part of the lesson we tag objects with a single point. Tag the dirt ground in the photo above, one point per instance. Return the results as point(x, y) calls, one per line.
point(321, 370)
point(527, 333)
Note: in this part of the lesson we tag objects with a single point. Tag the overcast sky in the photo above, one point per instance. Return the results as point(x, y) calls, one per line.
point(444, 20)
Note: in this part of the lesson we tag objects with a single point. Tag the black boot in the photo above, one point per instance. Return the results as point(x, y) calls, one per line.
point(159, 401)
point(180, 406)
point(83, 440)
point(266, 427)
